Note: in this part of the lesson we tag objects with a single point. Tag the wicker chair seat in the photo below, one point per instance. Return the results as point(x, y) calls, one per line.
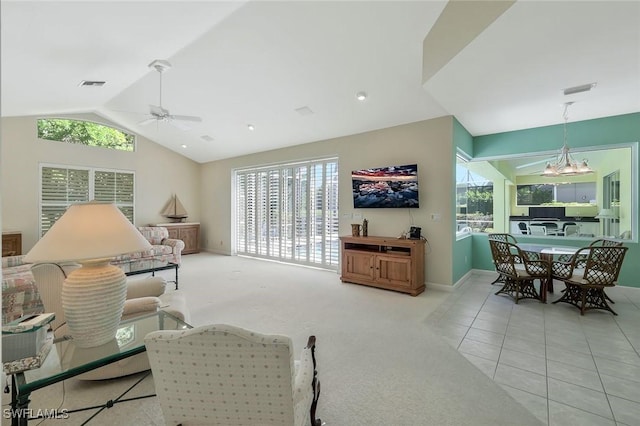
point(605, 280)
point(518, 271)
point(585, 288)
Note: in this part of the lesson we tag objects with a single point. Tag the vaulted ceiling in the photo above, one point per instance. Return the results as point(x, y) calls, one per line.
point(261, 63)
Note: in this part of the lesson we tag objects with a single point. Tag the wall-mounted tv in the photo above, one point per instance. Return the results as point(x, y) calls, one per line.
point(385, 187)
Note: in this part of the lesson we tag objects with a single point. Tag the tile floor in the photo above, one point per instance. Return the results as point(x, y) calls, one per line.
point(566, 368)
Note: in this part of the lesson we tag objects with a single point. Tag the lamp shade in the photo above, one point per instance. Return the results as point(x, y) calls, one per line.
point(93, 296)
point(606, 214)
point(88, 231)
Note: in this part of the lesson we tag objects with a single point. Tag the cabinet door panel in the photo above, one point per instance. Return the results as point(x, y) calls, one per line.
point(357, 265)
point(190, 237)
point(173, 233)
point(394, 270)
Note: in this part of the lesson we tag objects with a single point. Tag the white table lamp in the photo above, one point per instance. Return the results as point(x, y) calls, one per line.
point(93, 296)
point(606, 214)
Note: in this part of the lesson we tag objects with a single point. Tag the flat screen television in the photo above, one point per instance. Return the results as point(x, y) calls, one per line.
point(386, 187)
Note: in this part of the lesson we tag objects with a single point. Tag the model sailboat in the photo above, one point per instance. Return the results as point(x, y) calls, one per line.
point(175, 210)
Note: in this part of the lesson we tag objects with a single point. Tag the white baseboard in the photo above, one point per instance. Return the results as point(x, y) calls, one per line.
point(214, 251)
point(462, 280)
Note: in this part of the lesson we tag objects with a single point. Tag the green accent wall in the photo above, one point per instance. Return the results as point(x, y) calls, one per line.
point(462, 258)
point(598, 132)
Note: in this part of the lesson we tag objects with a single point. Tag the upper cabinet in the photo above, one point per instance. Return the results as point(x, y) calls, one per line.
point(582, 192)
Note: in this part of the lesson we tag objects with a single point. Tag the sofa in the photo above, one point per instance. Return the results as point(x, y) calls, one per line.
point(19, 293)
point(163, 250)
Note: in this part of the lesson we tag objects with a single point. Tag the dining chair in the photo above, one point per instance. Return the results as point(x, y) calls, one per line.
point(585, 288)
point(518, 270)
point(605, 242)
point(537, 230)
point(564, 226)
point(571, 230)
point(523, 227)
point(551, 227)
point(507, 238)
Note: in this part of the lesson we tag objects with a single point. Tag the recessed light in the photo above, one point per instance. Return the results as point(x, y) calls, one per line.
point(183, 145)
point(361, 96)
point(250, 127)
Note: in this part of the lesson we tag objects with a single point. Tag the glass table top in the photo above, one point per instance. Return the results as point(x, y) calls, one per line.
point(65, 360)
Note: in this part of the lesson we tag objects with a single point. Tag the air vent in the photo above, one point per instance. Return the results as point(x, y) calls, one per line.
point(92, 83)
point(579, 89)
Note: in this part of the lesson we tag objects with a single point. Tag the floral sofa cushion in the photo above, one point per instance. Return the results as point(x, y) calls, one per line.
point(163, 250)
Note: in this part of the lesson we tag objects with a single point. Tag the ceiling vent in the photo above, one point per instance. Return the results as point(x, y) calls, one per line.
point(579, 89)
point(92, 83)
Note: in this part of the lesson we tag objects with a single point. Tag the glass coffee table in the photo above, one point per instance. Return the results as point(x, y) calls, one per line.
point(65, 360)
point(138, 266)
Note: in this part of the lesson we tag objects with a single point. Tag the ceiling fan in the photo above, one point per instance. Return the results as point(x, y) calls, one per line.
point(160, 114)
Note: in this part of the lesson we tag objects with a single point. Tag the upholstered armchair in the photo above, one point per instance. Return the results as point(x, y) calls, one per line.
point(226, 375)
point(143, 296)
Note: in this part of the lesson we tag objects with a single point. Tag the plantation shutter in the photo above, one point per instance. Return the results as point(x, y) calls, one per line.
point(115, 187)
point(289, 212)
point(62, 187)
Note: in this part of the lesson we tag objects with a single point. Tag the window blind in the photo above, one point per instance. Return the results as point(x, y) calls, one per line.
point(62, 187)
point(289, 212)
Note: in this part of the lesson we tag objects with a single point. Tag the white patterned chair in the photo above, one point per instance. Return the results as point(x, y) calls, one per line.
point(226, 375)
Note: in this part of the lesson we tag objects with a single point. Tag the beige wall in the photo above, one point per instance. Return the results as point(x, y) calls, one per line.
point(159, 173)
point(427, 143)
point(205, 190)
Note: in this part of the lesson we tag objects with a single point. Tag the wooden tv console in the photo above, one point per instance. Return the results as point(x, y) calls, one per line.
point(384, 262)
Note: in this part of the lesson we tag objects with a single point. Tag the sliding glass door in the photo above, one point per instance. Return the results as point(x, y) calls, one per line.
point(288, 212)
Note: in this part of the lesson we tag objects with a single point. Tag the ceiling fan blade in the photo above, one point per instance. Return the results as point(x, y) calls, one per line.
point(190, 118)
point(522, 166)
point(147, 121)
point(182, 125)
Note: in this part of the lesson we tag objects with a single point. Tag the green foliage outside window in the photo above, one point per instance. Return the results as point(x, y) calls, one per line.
point(84, 133)
point(534, 195)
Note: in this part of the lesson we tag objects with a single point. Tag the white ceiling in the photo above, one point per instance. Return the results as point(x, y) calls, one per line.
point(238, 63)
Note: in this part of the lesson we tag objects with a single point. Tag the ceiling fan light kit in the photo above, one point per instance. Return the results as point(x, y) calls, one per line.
point(565, 165)
point(158, 113)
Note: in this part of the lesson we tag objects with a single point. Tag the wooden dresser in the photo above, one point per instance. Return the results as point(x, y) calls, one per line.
point(385, 262)
point(11, 243)
point(189, 232)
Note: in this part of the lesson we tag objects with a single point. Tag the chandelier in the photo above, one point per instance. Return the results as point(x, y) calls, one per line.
point(565, 165)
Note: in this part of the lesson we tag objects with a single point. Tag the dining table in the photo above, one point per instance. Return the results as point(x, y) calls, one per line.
point(547, 252)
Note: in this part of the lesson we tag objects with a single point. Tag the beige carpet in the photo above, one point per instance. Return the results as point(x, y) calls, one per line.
point(379, 361)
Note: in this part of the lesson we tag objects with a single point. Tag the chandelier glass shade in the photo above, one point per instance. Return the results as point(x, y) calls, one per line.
point(565, 165)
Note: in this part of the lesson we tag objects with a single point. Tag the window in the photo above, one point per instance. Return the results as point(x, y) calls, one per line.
point(580, 197)
point(289, 212)
point(84, 133)
point(61, 187)
point(474, 199)
point(535, 194)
